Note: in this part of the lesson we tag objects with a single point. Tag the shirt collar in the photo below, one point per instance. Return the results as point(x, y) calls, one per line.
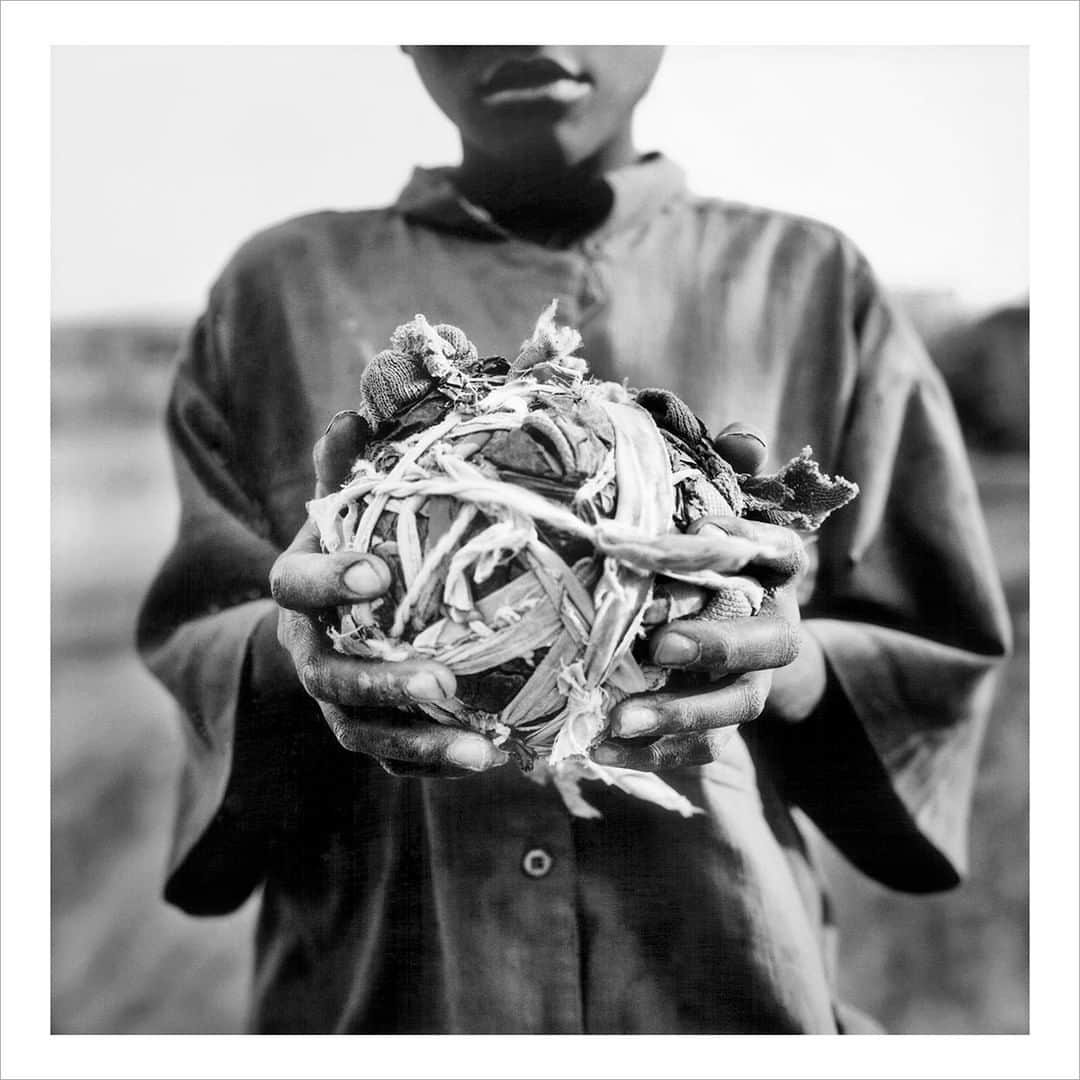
point(640, 190)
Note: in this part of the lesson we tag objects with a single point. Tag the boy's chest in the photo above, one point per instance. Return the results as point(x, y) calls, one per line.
point(719, 333)
point(724, 340)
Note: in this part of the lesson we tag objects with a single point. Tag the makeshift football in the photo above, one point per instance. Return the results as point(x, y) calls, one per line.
point(532, 518)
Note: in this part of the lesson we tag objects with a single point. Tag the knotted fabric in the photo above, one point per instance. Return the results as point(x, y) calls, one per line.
point(530, 517)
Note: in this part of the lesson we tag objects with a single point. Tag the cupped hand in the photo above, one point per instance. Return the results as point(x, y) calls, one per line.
point(363, 700)
point(732, 664)
point(734, 659)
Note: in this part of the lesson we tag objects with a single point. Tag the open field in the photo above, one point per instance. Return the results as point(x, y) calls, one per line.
point(125, 962)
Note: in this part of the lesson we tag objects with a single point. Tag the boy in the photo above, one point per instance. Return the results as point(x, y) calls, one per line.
point(398, 897)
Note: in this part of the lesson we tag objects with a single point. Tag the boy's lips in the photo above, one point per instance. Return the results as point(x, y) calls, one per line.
point(517, 81)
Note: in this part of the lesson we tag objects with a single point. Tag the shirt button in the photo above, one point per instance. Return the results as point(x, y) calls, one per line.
point(537, 863)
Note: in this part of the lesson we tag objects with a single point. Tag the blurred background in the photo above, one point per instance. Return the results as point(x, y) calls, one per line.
point(165, 159)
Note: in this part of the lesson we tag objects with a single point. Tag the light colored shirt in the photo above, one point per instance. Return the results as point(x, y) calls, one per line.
point(480, 905)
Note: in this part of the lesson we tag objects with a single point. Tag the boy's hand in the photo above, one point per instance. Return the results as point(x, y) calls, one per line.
point(360, 699)
point(737, 656)
point(749, 664)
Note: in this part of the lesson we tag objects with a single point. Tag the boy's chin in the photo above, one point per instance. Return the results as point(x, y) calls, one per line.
point(538, 143)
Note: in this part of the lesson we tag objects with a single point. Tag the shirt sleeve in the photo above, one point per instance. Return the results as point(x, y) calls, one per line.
point(207, 630)
point(910, 614)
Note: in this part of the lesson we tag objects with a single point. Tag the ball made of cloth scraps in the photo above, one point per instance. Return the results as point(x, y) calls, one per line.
point(532, 519)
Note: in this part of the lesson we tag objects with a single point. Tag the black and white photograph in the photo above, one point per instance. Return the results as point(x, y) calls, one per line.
point(539, 543)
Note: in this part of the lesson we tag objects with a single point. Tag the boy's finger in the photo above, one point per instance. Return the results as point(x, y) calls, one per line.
point(396, 738)
point(409, 771)
point(786, 556)
point(668, 752)
point(645, 715)
point(726, 646)
point(334, 454)
point(743, 447)
point(365, 684)
point(350, 681)
point(306, 580)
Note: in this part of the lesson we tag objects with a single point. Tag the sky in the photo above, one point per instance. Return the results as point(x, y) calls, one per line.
point(166, 158)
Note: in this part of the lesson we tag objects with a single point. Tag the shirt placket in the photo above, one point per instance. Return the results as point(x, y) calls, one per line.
point(592, 293)
point(505, 883)
point(546, 867)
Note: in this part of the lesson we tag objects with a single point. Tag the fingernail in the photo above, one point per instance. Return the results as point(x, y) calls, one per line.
point(363, 580)
point(606, 754)
point(475, 754)
point(675, 650)
point(743, 447)
point(337, 416)
point(743, 431)
point(635, 720)
point(425, 686)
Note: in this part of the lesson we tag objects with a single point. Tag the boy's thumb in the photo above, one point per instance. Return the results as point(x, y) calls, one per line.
point(334, 454)
point(743, 447)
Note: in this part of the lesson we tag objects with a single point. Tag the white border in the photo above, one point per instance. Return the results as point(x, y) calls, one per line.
point(689, 22)
point(29, 29)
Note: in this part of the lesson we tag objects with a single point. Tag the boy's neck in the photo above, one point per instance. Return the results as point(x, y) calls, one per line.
point(550, 206)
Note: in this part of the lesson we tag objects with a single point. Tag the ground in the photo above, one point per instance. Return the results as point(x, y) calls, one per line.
point(123, 961)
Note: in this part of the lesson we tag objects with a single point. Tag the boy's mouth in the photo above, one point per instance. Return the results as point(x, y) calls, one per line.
point(537, 80)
